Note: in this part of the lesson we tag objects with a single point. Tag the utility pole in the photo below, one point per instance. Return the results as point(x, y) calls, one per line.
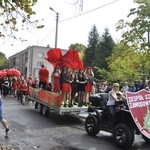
point(56, 34)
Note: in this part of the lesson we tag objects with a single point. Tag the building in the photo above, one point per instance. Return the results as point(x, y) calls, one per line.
point(29, 61)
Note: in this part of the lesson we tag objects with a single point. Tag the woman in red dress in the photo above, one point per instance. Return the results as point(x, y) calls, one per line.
point(89, 85)
point(56, 80)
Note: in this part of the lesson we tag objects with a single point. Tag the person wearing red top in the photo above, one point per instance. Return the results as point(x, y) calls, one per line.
point(29, 81)
point(14, 86)
point(43, 81)
point(89, 85)
point(23, 90)
point(66, 87)
point(43, 77)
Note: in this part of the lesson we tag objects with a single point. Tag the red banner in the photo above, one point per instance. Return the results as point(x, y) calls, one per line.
point(139, 105)
point(47, 97)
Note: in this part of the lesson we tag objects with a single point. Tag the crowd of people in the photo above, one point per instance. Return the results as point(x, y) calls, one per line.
point(75, 85)
point(127, 86)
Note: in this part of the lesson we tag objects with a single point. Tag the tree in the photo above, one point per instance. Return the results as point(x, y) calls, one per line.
point(135, 30)
point(14, 12)
point(104, 50)
point(80, 48)
point(3, 61)
point(93, 41)
point(125, 64)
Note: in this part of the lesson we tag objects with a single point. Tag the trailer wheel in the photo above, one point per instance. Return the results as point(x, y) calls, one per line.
point(40, 108)
point(45, 110)
point(91, 125)
point(147, 140)
point(123, 136)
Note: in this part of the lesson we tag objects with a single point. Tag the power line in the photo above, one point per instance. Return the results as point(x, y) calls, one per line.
point(90, 11)
point(79, 16)
point(47, 35)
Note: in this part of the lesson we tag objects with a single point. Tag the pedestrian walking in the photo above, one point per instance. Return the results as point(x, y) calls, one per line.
point(5, 86)
point(2, 120)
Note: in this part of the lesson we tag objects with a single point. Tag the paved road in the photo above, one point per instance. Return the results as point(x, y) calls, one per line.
point(31, 130)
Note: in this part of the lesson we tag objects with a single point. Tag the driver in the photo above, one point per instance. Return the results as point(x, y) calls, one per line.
point(111, 102)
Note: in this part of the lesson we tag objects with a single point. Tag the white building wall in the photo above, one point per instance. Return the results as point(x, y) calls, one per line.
point(36, 57)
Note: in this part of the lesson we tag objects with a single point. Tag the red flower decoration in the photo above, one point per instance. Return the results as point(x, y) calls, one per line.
point(53, 56)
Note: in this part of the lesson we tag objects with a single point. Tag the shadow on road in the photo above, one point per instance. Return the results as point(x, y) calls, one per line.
point(65, 148)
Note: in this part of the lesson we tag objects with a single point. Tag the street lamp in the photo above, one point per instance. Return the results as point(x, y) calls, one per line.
point(56, 34)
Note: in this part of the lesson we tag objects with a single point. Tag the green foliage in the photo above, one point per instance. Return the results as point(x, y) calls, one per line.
point(126, 64)
point(3, 61)
point(93, 41)
point(80, 48)
point(101, 74)
point(135, 30)
point(103, 51)
point(15, 12)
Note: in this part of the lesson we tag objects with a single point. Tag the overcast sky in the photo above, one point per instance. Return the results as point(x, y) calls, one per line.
point(102, 13)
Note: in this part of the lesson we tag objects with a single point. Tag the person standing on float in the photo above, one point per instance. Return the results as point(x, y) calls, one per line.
point(81, 87)
point(66, 87)
point(55, 80)
point(74, 76)
point(43, 80)
point(89, 85)
point(43, 77)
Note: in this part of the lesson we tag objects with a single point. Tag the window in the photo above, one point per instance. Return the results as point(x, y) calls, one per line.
point(40, 63)
point(40, 55)
point(14, 61)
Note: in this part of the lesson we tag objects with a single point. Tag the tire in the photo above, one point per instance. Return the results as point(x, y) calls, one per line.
point(91, 125)
point(123, 136)
point(45, 111)
point(147, 140)
point(40, 108)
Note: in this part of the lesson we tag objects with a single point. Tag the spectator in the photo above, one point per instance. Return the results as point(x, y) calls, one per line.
point(109, 88)
point(35, 83)
point(132, 87)
point(125, 87)
point(148, 86)
point(103, 87)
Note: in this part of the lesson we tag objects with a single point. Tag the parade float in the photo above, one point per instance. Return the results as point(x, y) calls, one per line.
point(52, 101)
